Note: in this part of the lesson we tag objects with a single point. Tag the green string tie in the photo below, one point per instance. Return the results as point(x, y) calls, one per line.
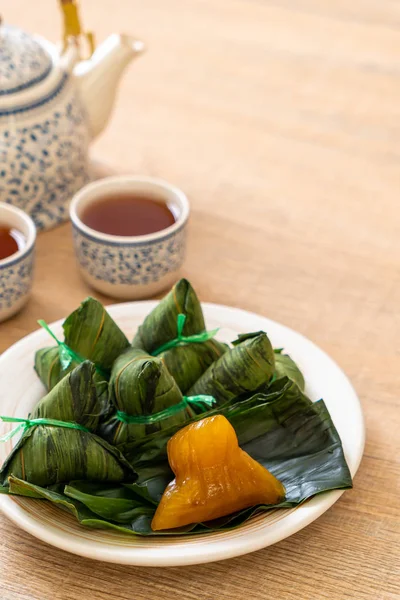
point(67, 355)
point(201, 401)
point(25, 424)
point(182, 340)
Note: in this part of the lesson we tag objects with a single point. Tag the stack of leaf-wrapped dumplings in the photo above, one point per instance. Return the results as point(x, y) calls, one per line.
point(103, 442)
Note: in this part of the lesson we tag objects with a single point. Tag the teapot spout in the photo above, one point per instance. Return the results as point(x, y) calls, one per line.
point(98, 77)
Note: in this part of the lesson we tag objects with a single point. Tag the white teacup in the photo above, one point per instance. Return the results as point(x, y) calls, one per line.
point(131, 267)
point(16, 271)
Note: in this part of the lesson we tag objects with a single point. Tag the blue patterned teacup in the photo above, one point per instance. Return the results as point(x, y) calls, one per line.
point(16, 271)
point(131, 267)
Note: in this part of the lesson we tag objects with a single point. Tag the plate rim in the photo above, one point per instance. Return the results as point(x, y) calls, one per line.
point(296, 518)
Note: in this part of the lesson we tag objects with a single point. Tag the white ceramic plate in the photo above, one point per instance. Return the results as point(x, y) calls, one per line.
point(20, 389)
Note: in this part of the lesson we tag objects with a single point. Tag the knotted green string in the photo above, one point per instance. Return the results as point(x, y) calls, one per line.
point(182, 340)
point(67, 355)
point(25, 424)
point(201, 401)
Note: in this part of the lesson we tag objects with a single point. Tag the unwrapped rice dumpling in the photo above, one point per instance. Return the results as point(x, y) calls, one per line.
point(213, 476)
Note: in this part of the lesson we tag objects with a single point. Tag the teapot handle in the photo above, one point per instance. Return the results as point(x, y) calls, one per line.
point(73, 30)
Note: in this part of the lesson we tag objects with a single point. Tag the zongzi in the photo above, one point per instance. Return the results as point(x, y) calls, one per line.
point(79, 397)
point(213, 476)
point(187, 363)
point(241, 370)
point(286, 367)
point(90, 333)
point(160, 326)
point(48, 366)
point(185, 360)
point(47, 454)
point(141, 388)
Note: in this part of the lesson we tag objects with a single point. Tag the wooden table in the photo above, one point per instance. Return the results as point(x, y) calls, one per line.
point(280, 119)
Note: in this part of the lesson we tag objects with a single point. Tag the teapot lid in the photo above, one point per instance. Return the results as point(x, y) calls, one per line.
point(24, 62)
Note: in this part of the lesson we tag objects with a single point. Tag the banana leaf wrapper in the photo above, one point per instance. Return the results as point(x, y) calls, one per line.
point(286, 367)
point(141, 385)
point(160, 326)
point(48, 366)
point(243, 369)
point(79, 397)
point(92, 334)
point(283, 430)
point(187, 363)
point(46, 455)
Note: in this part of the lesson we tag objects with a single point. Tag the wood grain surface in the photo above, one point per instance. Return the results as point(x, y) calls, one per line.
point(280, 119)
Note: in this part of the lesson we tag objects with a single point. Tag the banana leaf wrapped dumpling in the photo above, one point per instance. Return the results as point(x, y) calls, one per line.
point(79, 397)
point(48, 366)
point(47, 455)
point(186, 362)
point(141, 388)
point(159, 327)
point(246, 367)
point(286, 367)
point(90, 333)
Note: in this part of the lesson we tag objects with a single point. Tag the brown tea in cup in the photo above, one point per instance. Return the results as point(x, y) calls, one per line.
point(128, 214)
point(11, 241)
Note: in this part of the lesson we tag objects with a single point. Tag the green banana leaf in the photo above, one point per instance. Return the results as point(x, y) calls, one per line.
point(92, 334)
point(187, 363)
point(48, 366)
point(241, 370)
point(84, 515)
point(160, 326)
point(286, 367)
point(141, 517)
point(151, 482)
point(114, 502)
point(79, 397)
point(141, 385)
point(46, 455)
point(19, 490)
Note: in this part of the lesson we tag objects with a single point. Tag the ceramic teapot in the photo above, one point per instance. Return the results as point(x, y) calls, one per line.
point(52, 105)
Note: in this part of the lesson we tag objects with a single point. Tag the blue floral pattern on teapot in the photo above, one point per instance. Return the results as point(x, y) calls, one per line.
point(50, 109)
point(23, 62)
point(44, 160)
